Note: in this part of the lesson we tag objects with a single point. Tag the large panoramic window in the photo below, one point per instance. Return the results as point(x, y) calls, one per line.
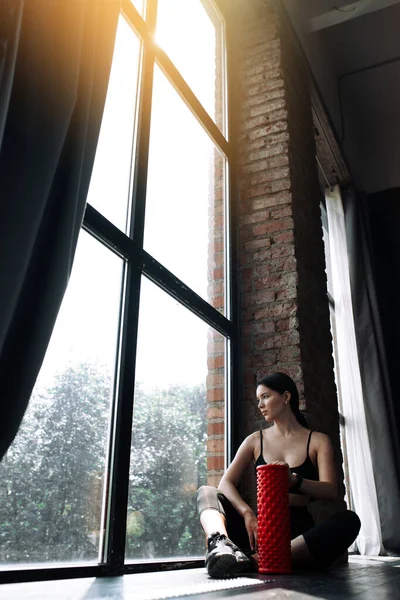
point(131, 410)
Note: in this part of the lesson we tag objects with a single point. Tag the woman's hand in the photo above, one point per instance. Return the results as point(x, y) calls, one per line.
point(250, 522)
point(291, 476)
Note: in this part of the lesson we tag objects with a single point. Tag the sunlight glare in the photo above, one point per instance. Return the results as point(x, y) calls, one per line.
point(139, 5)
point(186, 33)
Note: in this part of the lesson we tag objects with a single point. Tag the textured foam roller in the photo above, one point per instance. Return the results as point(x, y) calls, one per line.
point(273, 519)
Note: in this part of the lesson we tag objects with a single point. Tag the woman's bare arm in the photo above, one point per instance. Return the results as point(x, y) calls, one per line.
point(327, 486)
point(234, 473)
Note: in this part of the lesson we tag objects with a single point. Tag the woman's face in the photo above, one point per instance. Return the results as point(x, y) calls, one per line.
point(271, 403)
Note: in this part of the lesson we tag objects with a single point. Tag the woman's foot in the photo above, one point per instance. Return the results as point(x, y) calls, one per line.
point(223, 558)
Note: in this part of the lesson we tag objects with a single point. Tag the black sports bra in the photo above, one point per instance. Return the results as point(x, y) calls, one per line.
point(306, 470)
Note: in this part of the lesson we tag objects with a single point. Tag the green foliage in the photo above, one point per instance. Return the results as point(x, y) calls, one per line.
point(51, 481)
point(168, 465)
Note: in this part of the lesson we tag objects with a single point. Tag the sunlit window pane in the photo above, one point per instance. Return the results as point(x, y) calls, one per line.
point(139, 5)
point(185, 196)
point(109, 185)
point(190, 32)
point(52, 477)
point(179, 399)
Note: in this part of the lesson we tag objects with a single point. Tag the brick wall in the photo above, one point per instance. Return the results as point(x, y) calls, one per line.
point(215, 408)
point(215, 293)
point(312, 306)
point(284, 309)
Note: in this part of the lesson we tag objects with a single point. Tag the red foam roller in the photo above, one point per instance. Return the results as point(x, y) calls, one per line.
point(273, 519)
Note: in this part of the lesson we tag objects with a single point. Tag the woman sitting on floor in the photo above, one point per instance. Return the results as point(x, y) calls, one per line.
point(231, 525)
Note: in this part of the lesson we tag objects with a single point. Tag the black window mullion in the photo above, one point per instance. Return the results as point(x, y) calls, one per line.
point(118, 503)
point(122, 419)
point(106, 232)
point(191, 101)
point(173, 74)
point(143, 140)
point(136, 21)
point(185, 295)
point(121, 244)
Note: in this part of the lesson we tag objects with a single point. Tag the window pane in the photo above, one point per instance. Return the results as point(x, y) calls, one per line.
point(109, 185)
point(53, 475)
point(191, 33)
point(139, 5)
point(179, 399)
point(185, 196)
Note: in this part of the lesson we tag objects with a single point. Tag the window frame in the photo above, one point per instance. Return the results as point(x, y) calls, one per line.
point(137, 263)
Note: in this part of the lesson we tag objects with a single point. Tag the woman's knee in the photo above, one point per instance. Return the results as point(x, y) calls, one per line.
point(207, 497)
point(206, 490)
point(352, 522)
point(347, 525)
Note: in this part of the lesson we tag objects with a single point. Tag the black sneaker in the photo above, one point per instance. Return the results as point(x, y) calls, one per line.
point(223, 558)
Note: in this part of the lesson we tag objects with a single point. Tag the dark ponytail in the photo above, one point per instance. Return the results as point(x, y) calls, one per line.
point(281, 383)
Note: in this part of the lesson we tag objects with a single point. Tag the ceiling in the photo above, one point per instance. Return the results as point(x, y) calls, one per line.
point(353, 49)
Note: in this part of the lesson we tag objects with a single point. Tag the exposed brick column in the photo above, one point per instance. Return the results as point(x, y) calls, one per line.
point(284, 308)
point(313, 308)
point(215, 408)
point(215, 346)
point(215, 292)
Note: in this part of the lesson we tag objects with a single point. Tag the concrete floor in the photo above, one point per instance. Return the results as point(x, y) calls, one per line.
point(362, 579)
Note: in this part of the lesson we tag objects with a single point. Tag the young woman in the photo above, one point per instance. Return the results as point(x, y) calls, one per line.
point(231, 525)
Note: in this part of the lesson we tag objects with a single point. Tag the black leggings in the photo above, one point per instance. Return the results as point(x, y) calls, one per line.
point(326, 541)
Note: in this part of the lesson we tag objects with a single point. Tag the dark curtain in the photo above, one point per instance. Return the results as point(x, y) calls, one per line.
point(384, 220)
point(379, 401)
point(55, 59)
